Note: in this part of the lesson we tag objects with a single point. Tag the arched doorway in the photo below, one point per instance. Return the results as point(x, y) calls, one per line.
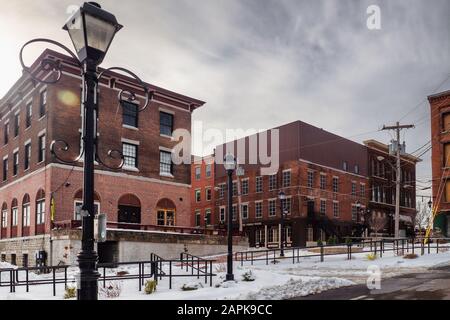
point(166, 213)
point(129, 211)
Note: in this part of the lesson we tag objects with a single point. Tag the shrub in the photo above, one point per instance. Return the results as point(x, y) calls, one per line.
point(410, 256)
point(332, 240)
point(348, 240)
point(71, 292)
point(191, 286)
point(150, 286)
point(248, 276)
point(371, 256)
point(112, 290)
point(319, 243)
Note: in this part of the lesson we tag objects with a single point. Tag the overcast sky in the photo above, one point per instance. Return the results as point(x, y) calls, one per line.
point(260, 63)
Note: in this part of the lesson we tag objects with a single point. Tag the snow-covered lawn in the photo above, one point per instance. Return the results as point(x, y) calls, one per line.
point(279, 280)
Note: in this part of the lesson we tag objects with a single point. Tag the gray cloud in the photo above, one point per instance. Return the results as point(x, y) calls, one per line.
point(261, 63)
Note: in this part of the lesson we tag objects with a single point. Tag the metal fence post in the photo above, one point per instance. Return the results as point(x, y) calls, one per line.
point(54, 282)
point(321, 253)
point(139, 277)
point(210, 273)
point(170, 274)
point(28, 289)
point(206, 272)
point(428, 242)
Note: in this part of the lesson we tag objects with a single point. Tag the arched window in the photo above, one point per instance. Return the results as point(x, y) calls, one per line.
point(40, 207)
point(78, 203)
point(14, 213)
point(166, 213)
point(129, 210)
point(4, 222)
point(26, 216)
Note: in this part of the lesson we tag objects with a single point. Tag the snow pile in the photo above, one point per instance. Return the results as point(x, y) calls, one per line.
point(296, 288)
point(5, 265)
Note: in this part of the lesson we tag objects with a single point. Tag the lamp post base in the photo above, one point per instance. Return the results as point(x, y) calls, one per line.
point(88, 276)
point(229, 277)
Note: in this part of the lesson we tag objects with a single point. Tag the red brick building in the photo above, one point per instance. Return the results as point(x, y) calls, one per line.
point(440, 157)
point(148, 191)
point(381, 170)
point(324, 177)
point(202, 193)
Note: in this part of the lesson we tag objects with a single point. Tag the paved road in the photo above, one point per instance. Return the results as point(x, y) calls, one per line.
point(433, 285)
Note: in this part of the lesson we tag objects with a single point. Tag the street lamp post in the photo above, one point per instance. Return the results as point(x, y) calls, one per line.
point(282, 197)
point(91, 30)
point(230, 166)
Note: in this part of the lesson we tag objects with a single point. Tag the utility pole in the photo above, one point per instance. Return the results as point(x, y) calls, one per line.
point(398, 170)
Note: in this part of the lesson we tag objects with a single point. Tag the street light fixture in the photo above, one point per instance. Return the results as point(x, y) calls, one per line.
point(230, 166)
point(91, 30)
point(282, 197)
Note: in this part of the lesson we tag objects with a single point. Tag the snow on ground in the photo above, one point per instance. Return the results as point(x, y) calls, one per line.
point(274, 281)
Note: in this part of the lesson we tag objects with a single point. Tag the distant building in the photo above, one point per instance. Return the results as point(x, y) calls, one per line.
point(331, 187)
point(382, 177)
point(440, 159)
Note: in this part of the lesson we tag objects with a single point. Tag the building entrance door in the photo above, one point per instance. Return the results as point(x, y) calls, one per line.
point(129, 214)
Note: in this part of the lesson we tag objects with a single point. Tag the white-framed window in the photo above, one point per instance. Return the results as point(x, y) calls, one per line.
point(245, 187)
point(208, 170)
point(260, 237)
point(287, 205)
point(286, 178)
point(207, 217)
point(272, 182)
point(354, 212)
point(42, 147)
point(29, 113)
point(259, 184)
point(26, 214)
point(222, 188)
point(272, 208)
point(335, 209)
point(345, 166)
point(198, 174)
point(77, 209)
point(323, 182)
point(15, 216)
point(130, 155)
point(40, 211)
point(15, 163)
point(197, 218)
point(362, 190)
point(353, 188)
point(258, 210)
point(222, 213)
point(4, 218)
point(356, 169)
point(165, 162)
point(198, 195)
point(43, 103)
point(310, 179)
point(272, 235)
point(208, 194)
point(235, 189)
point(335, 184)
point(323, 206)
point(244, 208)
point(27, 158)
point(234, 212)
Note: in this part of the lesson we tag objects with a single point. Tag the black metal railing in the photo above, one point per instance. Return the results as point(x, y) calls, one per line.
point(156, 268)
point(378, 246)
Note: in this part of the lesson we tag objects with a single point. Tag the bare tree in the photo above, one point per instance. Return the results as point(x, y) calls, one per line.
point(423, 215)
point(377, 223)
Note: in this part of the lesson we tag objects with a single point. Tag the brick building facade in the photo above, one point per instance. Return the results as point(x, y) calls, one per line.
point(440, 159)
point(203, 193)
point(381, 170)
point(328, 180)
point(148, 190)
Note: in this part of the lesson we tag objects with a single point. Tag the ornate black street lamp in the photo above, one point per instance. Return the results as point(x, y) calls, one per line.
point(230, 166)
point(91, 30)
point(282, 197)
